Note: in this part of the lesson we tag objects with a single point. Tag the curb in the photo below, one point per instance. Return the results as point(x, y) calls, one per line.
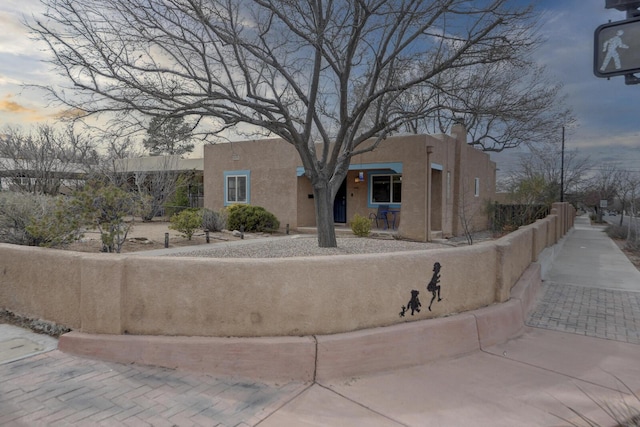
point(322, 357)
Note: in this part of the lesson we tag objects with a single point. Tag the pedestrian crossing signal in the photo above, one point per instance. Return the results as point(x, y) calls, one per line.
point(617, 48)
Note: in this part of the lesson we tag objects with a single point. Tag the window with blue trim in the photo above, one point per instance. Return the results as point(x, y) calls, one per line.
point(385, 189)
point(236, 187)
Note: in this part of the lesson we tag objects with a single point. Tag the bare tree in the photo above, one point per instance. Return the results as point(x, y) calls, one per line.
point(632, 185)
point(605, 186)
point(629, 182)
point(111, 166)
point(323, 75)
point(157, 184)
point(44, 159)
point(153, 179)
point(468, 211)
point(538, 176)
point(502, 105)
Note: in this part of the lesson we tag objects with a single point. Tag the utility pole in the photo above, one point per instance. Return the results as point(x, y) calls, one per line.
point(562, 169)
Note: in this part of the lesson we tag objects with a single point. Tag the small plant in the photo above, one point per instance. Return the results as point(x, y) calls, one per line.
point(186, 222)
point(252, 218)
point(616, 232)
point(103, 207)
point(361, 226)
point(213, 221)
point(624, 413)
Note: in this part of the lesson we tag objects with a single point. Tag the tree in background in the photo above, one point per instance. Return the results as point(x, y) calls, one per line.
point(605, 186)
point(537, 178)
point(325, 76)
point(501, 105)
point(118, 151)
point(628, 184)
point(631, 188)
point(157, 185)
point(168, 135)
point(44, 159)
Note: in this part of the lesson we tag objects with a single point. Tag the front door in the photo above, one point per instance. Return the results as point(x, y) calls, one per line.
point(340, 204)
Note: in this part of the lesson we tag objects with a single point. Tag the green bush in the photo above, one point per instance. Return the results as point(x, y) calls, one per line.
point(103, 206)
point(59, 226)
point(186, 222)
point(36, 220)
point(213, 221)
point(361, 226)
point(253, 218)
point(179, 200)
point(16, 209)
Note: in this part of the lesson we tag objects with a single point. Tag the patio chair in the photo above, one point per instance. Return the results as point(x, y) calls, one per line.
point(381, 215)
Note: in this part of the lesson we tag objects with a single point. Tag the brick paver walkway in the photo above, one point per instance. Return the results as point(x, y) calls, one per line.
point(56, 389)
point(594, 312)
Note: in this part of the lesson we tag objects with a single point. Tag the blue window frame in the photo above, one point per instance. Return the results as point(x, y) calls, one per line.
point(385, 189)
point(237, 187)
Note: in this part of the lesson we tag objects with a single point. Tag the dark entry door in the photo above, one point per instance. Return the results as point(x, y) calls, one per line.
point(340, 204)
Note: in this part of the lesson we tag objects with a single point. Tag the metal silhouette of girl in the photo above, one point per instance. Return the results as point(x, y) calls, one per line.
point(433, 286)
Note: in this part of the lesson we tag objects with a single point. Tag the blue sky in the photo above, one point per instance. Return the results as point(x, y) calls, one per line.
point(607, 128)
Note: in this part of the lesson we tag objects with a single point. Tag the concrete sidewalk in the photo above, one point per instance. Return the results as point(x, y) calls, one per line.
point(582, 338)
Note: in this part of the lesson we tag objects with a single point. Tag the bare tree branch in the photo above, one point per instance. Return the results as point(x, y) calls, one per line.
point(309, 71)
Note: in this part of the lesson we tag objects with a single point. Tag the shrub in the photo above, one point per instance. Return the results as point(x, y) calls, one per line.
point(59, 226)
point(617, 232)
point(253, 218)
point(29, 219)
point(103, 207)
point(213, 221)
point(179, 200)
point(186, 222)
point(16, 209)
point(361, 226)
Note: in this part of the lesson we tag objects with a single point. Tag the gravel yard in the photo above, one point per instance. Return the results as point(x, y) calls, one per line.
point(149, 236)
point(303, 245)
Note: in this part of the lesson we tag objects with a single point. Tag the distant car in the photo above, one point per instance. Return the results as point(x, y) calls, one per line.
point(612, 213)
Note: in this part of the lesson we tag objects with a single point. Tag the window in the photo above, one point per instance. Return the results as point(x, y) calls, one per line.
point(236, 187)
point(386, 189)
point(476, 191)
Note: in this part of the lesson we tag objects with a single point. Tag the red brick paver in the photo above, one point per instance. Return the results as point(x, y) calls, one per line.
point(56, 389)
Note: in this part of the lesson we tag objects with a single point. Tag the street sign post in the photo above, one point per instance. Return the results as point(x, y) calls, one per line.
point(617, 48)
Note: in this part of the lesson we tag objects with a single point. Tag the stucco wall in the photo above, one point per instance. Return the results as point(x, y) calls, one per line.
point(45, 283)
point(273, 181)
point(117, 294)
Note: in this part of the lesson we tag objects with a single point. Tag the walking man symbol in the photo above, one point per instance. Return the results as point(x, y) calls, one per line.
point(611, 46)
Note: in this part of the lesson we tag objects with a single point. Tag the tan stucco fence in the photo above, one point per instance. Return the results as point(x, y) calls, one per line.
point(287, 301)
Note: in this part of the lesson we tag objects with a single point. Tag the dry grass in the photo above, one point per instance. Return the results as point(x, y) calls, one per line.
point(625, 412)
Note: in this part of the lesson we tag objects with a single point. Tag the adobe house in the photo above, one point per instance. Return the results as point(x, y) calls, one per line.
point(407, 174)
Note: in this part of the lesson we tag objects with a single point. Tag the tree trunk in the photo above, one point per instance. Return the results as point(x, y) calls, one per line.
point(324, 216)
